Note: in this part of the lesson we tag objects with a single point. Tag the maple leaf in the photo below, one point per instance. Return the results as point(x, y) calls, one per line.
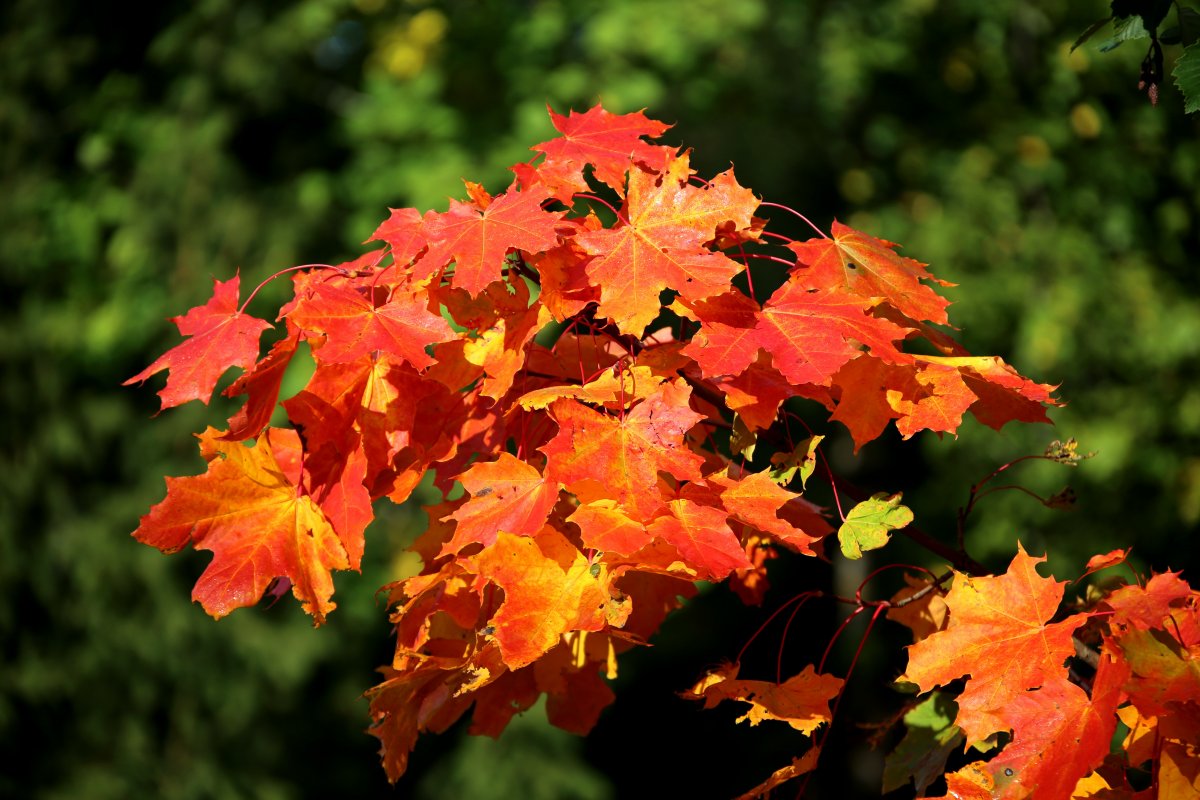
point(248, 512)
point(261, 385)
point(869, 523)
point(407, 703)
point(613, 391)
point(1145, 607)
point(220, 337)
point(609, 142)
point(757, 500)
point(477, 240)
point(802, 701)
point(924, 616)
point(930, 737)
point(757, 393)
point(1059, 734)
point(701, 536)
point(998, 633)
point(870, 267)
point(549, 589)
point(562, 273)
point(1004, 394)
point(376, 396)
point(972, 782)
point(358, 321)
point(661, 243)
point(799, 766)
point(625, 454)
point(506, 495)
point(604, 527)
point(406, 234)
point(811, 334)
point(1166, 672)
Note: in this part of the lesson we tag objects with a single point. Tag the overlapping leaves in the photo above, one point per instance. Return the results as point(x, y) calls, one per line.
point(502, 345)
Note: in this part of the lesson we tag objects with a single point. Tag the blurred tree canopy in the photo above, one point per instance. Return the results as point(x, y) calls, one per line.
point(142, 153)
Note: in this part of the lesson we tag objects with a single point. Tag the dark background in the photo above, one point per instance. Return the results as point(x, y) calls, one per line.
point(143, 154)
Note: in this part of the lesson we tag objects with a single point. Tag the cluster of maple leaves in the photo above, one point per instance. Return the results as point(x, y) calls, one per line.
point(587, 356)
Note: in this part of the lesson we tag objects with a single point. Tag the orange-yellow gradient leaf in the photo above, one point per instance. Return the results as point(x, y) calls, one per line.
point(549, 589)
point(248, 511)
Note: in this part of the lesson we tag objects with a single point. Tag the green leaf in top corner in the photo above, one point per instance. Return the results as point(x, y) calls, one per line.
point(1187, 77)
point(1123, 31)
point(870, 523)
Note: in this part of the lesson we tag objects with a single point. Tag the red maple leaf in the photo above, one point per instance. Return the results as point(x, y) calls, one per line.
point(220, 337)
point(261, 385)
point(406, 234)
point(477, 240)
point(609, 142)
point(1060, 734)
point(701, 536)
point(359, 320)
point(810, 333)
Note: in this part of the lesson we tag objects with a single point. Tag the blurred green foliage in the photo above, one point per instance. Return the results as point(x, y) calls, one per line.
point(144, 153)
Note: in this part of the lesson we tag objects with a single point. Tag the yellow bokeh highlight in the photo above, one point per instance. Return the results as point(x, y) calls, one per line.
point(1085, 121)
point(403, 59)
point(407, 48)
point(1033, 151)
point(856, 185)
point(427, 27)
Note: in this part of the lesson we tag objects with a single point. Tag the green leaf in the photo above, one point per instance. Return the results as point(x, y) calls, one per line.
point(1189, 26)
point(802, 460)
point(1123, 31)
point(1187, 77)
point(868, 525)
point(1091, 31)
point(742, 439)
point(921, 755)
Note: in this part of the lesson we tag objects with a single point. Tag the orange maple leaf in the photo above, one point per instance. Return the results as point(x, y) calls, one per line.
point(662, 244)
point(624, 454)
point(249, 511)
point(998, 633)
point(506, 495)
point(802, 701)
point(549, 589)
point(870, 267)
